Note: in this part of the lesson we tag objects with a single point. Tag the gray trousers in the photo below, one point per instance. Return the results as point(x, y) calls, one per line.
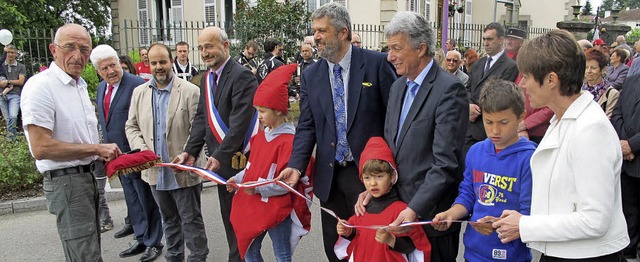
point(101, 178)
point(74, 200)
point(183, 223)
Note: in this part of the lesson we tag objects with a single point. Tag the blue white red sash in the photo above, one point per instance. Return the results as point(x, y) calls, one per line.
point(218, 127)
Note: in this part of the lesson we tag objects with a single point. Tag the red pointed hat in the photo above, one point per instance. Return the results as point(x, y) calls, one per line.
point(273, 92)
point(377, 148)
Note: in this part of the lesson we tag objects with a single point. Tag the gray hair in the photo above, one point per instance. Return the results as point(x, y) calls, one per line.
point(10, 46)
point(102, 52)
point(337, 13)
point(416, 28)
point(455, 53)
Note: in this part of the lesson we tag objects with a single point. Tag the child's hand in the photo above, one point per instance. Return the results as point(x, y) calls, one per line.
point(442, 221)
point(483, 225)
point(249, 190)
point(231, 188)
point(343, 230)
point(384, 237)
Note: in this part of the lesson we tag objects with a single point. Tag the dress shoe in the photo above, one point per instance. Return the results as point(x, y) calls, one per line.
point(125, 231)
point(137, 248)
point(106, 227)
point(151, 254)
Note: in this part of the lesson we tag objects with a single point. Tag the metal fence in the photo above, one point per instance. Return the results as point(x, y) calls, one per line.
point(131, 35)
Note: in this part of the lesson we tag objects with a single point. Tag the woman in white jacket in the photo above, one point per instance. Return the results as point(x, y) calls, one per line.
point(576, 209)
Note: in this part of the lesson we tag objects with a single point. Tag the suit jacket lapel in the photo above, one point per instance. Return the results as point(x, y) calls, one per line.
point(356, 76)
point(395, 107)
point(418, 102)
point(99, 101)
point(116, 97)
point(495, 66)
point(321, 80)
point(174, 101)
point(222, 80)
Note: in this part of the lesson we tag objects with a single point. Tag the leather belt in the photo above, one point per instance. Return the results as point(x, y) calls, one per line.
point(344, 163)
point(69, 171)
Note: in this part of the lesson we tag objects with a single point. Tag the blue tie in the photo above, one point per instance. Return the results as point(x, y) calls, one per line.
point(412, 90)
point(213, 83)
point(342, 147)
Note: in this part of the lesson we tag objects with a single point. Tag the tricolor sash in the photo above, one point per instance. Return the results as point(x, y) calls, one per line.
point(218, 127)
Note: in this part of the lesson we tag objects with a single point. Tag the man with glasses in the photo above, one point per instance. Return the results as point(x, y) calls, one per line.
point(453, 62)
point(246, 57)
point(62, 130)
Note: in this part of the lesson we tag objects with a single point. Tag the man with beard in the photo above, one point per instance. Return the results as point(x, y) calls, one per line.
point(343, 103)
point(229, 87)
point(160, 118)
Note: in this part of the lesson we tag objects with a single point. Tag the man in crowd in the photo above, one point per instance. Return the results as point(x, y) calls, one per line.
point(182, 67)
point(307, 40)
point(343, 103)
point(142, 67)
point(515, 39)
point(273, 50)
point(164, 129)
point(451, 45)
point(306, 52)
point(231, 87)
point(425, 128)
point(495, 65)
point(453, 62)
point(11, 90)
point(584, 44)
point(622, 43)
point(246, 57)
point(113, 100)
point(62, 130)
point(355, 40)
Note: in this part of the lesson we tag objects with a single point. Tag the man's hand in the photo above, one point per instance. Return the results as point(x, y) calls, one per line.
point(626, 148)
point(384, 237)
point(474, 112)
point(629, 157)
point(442, 220)
point(484, 225)
point(524, 134)
point(363, 200)
point(407, 215)
point(522, 126)
point(229, 187)
point(343, 230)
point(184, 159)
point(212, 164)
point(289, 175)
point(108, 152)
point(508, 227)
point(249, 190)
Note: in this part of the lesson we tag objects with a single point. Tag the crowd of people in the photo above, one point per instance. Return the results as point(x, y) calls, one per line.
point(533, 142)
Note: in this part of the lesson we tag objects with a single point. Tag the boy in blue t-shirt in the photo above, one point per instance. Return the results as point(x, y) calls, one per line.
point(497, 177)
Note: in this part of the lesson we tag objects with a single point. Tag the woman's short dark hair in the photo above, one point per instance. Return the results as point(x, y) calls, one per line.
point(127, 61)
point(556, 51)
point(598, 56)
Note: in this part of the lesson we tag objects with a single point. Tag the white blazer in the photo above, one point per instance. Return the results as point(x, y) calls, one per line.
point(576, 206)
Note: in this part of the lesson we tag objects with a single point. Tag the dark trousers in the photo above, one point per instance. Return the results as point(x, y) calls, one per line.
point(445, 248)
point(226, 200)
point(73, 198)
point(142, 210)
point(345, 188)
point(630, 187)
point(615, 257)
point(183, 223)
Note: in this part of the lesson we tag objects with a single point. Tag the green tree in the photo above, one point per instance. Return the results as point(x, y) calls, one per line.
point(587, 9)
point(286, 21)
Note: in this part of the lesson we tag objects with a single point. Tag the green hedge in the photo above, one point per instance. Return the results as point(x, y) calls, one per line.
point(17, 166)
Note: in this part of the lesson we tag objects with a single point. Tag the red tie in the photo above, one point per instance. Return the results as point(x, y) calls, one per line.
point(106, 102)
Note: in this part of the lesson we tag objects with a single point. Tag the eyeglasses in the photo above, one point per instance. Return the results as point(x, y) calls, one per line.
point(451, 60)
point(70, 48)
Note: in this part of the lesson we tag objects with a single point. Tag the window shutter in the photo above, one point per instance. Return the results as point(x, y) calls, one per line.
point(176, 20)
point(143, 22)
point(210, 12)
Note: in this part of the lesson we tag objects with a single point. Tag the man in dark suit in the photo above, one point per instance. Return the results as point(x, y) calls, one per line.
point(343, 103)
point(233, 87)
point(425, 127)
point(626, 120)
point(496, 64)
point(113, 100)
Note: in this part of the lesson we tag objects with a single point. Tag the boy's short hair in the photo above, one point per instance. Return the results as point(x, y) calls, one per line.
point(499, 95)
point(375, 166)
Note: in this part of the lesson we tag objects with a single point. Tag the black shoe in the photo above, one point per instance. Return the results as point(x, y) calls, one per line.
point(137, 248)
point(106, 227)
point(151, 254)
point(125, 231)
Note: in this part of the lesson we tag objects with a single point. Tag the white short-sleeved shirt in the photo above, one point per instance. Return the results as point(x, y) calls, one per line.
point(54, 100)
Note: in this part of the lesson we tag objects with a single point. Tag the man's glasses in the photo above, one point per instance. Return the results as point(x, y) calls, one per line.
point(451, 60)
point(70, 48)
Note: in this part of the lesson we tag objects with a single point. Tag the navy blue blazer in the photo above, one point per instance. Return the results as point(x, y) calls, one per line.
point(113, 128)
point(370, 79)
point(626, 120)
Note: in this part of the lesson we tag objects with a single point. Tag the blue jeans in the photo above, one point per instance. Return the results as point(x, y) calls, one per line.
point(280, 237)
point(10, 106)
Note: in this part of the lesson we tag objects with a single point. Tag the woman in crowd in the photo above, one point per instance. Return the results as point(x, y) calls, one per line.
point(470, 57)
point(576, 209)
point(127, 65)
point(594, 83)
point(617, 70)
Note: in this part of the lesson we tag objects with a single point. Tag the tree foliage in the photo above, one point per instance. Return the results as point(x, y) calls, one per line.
point(587, 9)
point(26, 14)
point(286, 21)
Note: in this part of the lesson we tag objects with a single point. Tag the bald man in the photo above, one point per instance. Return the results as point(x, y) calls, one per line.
point(233, 86)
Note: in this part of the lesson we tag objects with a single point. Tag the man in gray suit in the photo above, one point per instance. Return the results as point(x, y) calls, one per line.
point(425, 126)
point(495, 65)
point(625, 120)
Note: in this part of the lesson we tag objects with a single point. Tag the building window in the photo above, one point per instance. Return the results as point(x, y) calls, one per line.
point(210, 12)
point(143, 22)
point(312, 5)
point(427, 10)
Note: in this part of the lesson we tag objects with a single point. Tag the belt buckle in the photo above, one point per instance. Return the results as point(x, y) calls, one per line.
point(342, 163)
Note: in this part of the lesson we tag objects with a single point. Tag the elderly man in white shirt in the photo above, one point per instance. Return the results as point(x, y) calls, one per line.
point(62, 130)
